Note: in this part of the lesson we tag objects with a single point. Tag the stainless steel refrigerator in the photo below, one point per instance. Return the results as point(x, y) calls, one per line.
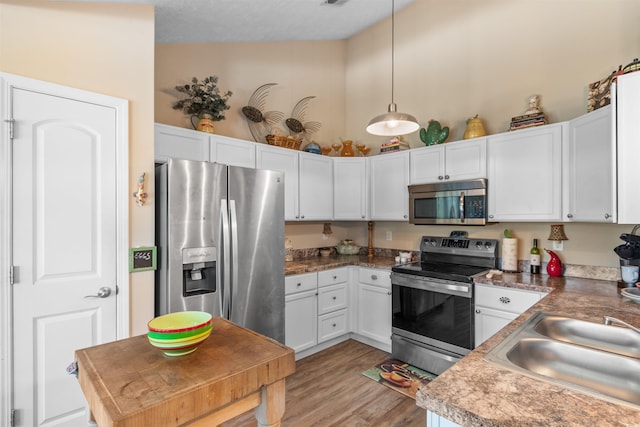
point(220, 238)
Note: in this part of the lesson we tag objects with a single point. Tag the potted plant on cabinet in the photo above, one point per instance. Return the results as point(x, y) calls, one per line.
point(204, 102)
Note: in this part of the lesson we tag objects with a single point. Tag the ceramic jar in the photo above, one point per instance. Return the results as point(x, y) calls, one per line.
point(204, 122)
point(347, 149)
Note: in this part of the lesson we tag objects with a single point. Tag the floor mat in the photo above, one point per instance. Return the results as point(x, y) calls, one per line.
point(399, 376)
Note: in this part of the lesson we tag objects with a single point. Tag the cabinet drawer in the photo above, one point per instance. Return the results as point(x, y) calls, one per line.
point(332, 298)
point(375, 277)
point(300, 283)
point(332, 325)
point(506, 299)
point(331, 277)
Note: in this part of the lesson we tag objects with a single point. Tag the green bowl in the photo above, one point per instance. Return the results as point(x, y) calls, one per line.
point(179, 335)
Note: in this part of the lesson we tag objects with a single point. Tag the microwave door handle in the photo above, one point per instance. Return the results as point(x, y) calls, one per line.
point(461, 206)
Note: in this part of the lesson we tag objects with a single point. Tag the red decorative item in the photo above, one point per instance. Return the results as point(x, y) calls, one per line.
point(554, 266)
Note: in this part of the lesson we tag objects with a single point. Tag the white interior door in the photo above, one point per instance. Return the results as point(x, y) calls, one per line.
point(63, 249)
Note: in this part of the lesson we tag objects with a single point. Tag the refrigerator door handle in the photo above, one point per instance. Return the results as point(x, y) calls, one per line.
point(225, 297)
point(234, 250)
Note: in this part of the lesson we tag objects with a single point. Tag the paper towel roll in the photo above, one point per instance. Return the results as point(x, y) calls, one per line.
point(509, 254)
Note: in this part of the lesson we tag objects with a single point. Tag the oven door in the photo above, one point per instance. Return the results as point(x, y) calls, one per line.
point(436, 312)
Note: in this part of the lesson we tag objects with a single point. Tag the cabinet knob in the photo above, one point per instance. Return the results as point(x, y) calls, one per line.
point(405, 217)
point(362, 216)
point(446, 177)
point(374, 277)
point(491, 216)
point(335, 298)
point(302, 216)
point(334, 325)
point(477, 311)
point(388, 292)
point(440, 177)
point(298, 284)
point(607, 216)
point(335, 277)
point(505, 300)
point(569, 216)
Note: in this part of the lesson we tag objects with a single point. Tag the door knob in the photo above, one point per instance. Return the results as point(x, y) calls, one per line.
point(102, 293)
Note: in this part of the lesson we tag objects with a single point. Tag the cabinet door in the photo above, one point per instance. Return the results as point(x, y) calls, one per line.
point(232, 151)
point(316, 187)
point(389, 181)
point(489, 321)
point(466, 160)
point(524, 173)
point(626, 101)
point(301, 320)
point(349, 188)
point(179, 143)
point(374, 313)
point(282, 160)
point(589, 156)
point(426, 164)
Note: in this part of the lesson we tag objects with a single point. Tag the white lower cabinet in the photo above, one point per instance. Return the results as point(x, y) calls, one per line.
point(435, 420)
point(333, 303)
point(374, 305)
point(301, 311)
point(496, 306)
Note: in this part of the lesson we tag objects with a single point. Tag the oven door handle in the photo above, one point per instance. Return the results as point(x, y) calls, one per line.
point(461, 206)
point(462, 289)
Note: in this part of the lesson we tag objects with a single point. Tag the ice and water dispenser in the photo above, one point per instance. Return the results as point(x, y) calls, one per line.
point(198, 271)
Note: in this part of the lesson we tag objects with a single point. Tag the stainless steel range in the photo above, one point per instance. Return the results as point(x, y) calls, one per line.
point(432, 301)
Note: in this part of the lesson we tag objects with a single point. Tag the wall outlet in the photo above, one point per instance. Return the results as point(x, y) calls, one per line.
point(325, 236)
point(558, 245)
point(388, 235)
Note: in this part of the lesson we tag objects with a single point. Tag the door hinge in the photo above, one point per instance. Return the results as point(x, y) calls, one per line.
point(10, 123)
point(11, 274)
point(13, 417)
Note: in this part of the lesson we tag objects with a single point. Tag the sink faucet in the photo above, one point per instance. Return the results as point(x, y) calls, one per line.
point(613, 321)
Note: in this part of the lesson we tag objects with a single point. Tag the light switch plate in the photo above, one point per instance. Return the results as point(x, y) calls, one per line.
point(558, 245)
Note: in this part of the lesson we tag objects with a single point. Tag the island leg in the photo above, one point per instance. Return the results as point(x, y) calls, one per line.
point(271, 409)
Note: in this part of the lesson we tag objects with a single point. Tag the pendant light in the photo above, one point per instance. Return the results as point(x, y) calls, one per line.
point(393, 123)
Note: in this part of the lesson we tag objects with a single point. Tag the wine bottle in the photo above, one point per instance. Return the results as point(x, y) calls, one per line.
point(535, 258)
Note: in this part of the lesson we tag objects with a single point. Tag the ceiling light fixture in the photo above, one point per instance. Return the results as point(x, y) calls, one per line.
point(393, 123)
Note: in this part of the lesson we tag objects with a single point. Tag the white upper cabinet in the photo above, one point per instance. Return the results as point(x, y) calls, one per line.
point(453, 161)
point(171, 141)
point(349, 188)
point(589, 169)
point(232, 151)
point(316, 187)
point(389, 180)
point(626, 103)
point(282, 160)
point(524, 171)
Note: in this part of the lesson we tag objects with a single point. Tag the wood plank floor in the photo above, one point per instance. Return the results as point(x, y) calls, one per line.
point(328, 389)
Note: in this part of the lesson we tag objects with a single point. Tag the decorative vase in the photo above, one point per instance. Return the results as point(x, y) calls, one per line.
point(475, 128)
point(204, 122)
point(554, 266)
point(347, 149)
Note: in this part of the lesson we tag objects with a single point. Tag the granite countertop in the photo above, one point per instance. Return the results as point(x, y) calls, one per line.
point(318, 263)
point(475, 392)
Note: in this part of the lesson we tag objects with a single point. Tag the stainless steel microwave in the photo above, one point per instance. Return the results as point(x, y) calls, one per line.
point(455, 202)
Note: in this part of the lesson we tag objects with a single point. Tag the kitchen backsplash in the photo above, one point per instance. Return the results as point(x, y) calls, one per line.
point(581, 271)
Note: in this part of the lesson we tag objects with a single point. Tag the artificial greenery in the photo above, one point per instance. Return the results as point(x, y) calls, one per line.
point(204, 97)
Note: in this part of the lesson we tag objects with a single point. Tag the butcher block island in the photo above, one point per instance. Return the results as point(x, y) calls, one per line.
point(131, 383)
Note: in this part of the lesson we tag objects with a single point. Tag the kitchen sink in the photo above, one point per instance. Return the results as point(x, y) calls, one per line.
point(594, 335)
point(576, 354)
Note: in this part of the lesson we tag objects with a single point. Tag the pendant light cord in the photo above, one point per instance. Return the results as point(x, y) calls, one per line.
point(392, 47)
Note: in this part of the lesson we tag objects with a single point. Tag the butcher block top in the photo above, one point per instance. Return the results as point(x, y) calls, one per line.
point(130, 382)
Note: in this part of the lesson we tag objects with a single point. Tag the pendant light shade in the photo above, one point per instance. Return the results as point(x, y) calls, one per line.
point(393, 123)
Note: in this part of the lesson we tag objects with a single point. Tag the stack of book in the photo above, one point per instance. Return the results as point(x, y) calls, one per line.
point(390, 147)
point(527, 120)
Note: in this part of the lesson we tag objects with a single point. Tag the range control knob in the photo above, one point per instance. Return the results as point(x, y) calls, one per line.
point(479, 244)
point(487, 245)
